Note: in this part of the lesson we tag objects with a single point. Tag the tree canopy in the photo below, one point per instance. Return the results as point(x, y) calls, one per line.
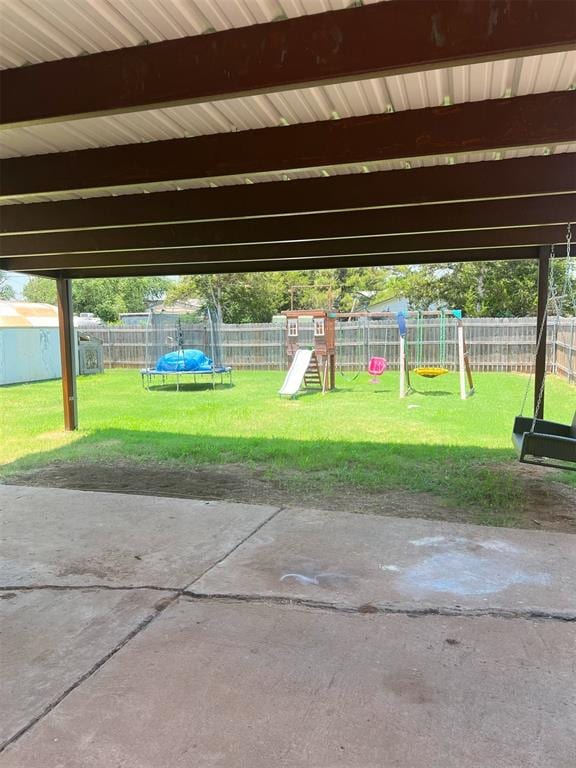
point(257, 296)
point(483, 289)
point(105, 297)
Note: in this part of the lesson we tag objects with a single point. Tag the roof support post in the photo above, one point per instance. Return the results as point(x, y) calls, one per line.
point(67, 353)
point(541, 331)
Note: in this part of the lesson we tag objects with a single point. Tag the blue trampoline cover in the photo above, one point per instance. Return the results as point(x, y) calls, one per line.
point(184, 360)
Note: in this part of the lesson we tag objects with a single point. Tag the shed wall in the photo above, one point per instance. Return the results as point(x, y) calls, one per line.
point(29, 354)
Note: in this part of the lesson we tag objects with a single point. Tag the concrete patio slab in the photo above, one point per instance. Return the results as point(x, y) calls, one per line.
point(77, 538)
point(254, 686)
point(350, 560)
point(51, 638)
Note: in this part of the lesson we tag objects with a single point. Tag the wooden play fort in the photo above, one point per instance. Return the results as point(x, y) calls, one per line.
point(311, 350)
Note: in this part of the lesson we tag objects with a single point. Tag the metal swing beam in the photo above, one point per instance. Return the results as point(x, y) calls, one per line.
point(466, 380)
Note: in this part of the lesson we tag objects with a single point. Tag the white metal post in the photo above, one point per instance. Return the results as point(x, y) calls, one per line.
point(402, 367)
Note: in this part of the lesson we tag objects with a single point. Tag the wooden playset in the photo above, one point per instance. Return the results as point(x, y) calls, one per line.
point(311, 349)
point(320, 371)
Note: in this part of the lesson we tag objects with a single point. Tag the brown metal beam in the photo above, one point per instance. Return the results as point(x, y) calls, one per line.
point(67, 352)
point(542, 119)
point(485, 214)
point(173, 259)
point(524, 177)
point(374, 260)
point(378, 40)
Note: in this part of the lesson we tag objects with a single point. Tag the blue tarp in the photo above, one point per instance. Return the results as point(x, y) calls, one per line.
point(400, 317)
point(184, 360)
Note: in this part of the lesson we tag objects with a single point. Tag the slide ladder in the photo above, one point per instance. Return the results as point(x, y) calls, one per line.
point(312, 377)
point(304, 370)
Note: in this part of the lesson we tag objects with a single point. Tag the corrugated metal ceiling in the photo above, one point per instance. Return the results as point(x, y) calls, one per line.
point(45, 30)
point(257, 178)
point(32, 31)
point(476, 82)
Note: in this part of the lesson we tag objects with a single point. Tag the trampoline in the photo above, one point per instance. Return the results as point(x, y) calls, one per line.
point(180, 362)
point(149, 375)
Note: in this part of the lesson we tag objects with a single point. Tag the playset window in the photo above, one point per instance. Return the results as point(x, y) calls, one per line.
point(292, 327)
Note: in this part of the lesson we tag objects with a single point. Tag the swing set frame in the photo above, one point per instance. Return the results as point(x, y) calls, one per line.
point(464, 369)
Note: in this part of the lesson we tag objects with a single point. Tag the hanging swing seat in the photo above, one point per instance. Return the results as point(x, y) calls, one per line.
point(545, 443)
point(431, 373)
point(377, 366)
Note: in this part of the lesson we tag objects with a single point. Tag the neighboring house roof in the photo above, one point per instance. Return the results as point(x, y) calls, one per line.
point(178, 307)
point(387, 298)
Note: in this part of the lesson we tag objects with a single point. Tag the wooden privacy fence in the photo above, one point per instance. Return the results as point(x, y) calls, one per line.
point(495, 344)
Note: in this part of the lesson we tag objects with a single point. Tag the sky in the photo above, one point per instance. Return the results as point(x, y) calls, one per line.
point(17, 281)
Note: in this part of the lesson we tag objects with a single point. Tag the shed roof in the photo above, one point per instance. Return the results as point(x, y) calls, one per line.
point(17, 314)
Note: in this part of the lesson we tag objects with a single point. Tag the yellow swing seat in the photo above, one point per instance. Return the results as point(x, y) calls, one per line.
point(431, 373)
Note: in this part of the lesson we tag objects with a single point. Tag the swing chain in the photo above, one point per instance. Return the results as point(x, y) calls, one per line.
point(558, 310)
point(568, 289)
point(538, 342)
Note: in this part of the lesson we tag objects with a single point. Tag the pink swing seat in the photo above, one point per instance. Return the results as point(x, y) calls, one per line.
point(377, 366)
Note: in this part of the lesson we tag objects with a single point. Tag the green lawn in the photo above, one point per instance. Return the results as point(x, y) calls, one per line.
point(361, 435)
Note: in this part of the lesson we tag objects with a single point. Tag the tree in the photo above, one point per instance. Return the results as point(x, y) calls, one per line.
point(482, 289)
point(6, 290)
point(105, 297)
point(40, 290)
point(257, 296)
point(245, 297)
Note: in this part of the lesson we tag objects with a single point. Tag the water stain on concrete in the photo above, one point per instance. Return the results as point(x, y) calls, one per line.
point(468, 567)
point(316, 578)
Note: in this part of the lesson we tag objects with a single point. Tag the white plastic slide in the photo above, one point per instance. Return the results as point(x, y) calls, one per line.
point(295, 375)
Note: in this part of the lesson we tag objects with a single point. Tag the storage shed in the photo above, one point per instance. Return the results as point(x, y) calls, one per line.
point(30, 344)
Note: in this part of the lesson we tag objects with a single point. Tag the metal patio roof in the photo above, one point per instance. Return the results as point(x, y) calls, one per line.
point(35, 32)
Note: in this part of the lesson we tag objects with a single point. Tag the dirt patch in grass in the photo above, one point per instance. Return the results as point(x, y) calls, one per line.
point(543, 504)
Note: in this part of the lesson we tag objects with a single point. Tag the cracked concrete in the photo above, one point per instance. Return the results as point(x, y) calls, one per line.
point(77, 538)
point(413, 611)
point(244, 685)
point(49, 640)
point(259, 636)
point(351, 561)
